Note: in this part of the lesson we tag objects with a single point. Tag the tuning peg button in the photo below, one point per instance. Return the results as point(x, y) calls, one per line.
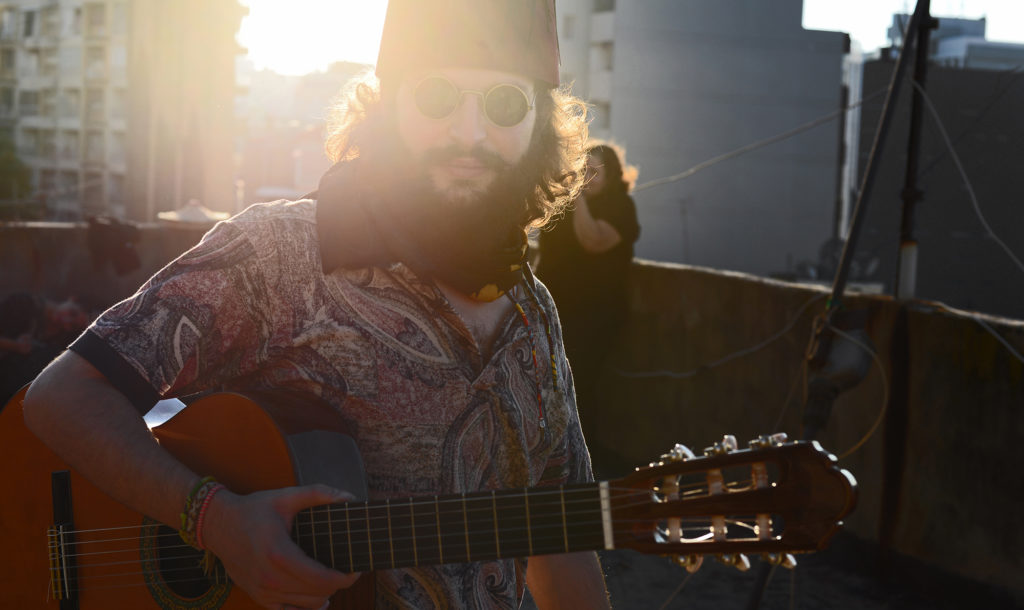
point(691, 563)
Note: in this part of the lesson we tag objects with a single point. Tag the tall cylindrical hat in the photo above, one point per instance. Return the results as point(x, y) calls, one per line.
point(517, 36)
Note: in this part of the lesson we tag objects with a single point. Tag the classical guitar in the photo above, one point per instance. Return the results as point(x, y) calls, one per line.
point(65, 544)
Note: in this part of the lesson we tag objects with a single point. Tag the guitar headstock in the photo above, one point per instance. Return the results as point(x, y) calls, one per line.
point(774, 498)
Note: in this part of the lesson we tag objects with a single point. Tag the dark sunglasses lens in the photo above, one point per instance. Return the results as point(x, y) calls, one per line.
point(436, 97)
point(506, 105)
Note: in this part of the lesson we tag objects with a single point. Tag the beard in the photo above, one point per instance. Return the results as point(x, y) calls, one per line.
point(385, 206)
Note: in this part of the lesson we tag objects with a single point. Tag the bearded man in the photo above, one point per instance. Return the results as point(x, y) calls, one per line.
point(398, 297)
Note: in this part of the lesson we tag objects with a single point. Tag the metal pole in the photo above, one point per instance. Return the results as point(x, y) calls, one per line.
point(906, 278)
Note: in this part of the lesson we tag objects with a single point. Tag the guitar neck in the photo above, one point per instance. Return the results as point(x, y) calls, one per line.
point(430, 530)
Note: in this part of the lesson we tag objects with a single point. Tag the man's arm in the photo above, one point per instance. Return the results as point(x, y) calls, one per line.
point(572, 581)
point(94, 428)
point(595, 235)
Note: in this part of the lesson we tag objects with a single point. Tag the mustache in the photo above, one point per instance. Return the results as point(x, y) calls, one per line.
point(440, 156)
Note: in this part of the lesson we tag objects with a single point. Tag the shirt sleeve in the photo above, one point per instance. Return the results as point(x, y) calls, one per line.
point(201, 320)
point(569, 460)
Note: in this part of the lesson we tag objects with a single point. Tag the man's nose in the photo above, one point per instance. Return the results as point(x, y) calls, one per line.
point(468, 124)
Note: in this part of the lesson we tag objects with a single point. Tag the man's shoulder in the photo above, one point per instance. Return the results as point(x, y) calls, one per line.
point(302, 211)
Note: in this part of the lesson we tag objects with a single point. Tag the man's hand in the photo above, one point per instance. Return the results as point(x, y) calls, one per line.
point(250, 536)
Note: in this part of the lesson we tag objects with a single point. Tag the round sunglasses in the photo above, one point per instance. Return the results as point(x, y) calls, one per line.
point(505, 104)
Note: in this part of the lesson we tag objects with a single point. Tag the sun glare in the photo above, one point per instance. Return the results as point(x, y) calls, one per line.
point(302, 36)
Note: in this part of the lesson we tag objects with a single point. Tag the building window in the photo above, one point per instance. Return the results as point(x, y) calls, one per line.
point(7, 101)
point(601, 6)
point(94, 152)
point(28, 103)
point(48, 103)
point(8, 24)
point(117, 104)
point(7, 62)
point(95, 63)
point(95, 19)
point(69, 145)
point(568, 27)
point(119, 19)
point(30, 24)
point(94, 106)
point(47, 144)
point(68, 103)
point(70, 60)
point(605, 55)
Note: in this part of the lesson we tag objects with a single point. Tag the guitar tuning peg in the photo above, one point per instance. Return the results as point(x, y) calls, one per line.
point(766, 441)
point(785, 560)
point(679, 453)
point(691, 563)
point(727, 444)
point(738, 561)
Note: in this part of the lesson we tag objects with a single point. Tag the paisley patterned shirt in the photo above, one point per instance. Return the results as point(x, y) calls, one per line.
point(249, 308)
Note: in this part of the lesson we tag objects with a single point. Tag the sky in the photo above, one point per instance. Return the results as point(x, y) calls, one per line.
point(301, 36)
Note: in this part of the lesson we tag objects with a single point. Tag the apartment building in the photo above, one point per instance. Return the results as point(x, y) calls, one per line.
point(120, 107)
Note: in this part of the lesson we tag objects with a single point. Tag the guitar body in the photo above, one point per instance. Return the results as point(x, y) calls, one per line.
point(229, 437)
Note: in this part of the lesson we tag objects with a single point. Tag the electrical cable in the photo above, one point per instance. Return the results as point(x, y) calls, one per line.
point(963, 175)
point(724, 359)
point(885, 391)
point(755, 145)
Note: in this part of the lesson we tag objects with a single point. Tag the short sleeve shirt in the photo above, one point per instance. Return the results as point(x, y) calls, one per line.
point(250, 309)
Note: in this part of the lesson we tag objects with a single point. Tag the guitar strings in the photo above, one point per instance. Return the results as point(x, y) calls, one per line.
point(643, 498)
point(360, 511)
point(94, 585)
point(687, 490)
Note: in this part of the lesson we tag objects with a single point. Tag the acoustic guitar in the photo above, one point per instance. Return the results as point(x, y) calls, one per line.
point(64, 544)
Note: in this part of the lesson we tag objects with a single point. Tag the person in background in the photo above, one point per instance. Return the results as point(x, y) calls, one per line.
point(584, 261)
point(399, 298)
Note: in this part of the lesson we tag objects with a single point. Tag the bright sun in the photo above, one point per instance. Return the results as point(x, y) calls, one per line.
point(301, 36)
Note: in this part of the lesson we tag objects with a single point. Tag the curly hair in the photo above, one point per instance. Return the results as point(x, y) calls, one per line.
point(557, 155)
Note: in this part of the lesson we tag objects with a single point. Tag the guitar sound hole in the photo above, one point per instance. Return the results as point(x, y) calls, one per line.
point(181, 566)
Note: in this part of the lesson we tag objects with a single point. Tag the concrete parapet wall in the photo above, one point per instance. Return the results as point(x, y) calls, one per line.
point(53, 259)
point(706, 353)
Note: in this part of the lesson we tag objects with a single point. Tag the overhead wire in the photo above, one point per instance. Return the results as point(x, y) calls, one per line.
point(755, 145)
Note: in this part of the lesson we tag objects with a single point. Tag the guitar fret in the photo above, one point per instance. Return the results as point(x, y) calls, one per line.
point(497, 539)
point(565, 528)
point(348, 532)
point(465, 528)
point(312, 532)
point(330, 534)
point(369, 537)
point(440, 543)
point(529, 532)
point(391, 538)
point(412, 519)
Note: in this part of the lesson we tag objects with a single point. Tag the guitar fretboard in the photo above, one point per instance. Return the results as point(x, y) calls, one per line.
point(398, 533)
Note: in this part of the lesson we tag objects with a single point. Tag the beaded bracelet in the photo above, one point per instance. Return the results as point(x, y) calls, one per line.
point(194, 503)
point(202, 514)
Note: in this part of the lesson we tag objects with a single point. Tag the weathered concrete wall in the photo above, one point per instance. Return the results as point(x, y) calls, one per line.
point(956, 412)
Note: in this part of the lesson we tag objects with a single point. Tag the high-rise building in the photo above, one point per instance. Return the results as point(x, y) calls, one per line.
point(120, 107)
